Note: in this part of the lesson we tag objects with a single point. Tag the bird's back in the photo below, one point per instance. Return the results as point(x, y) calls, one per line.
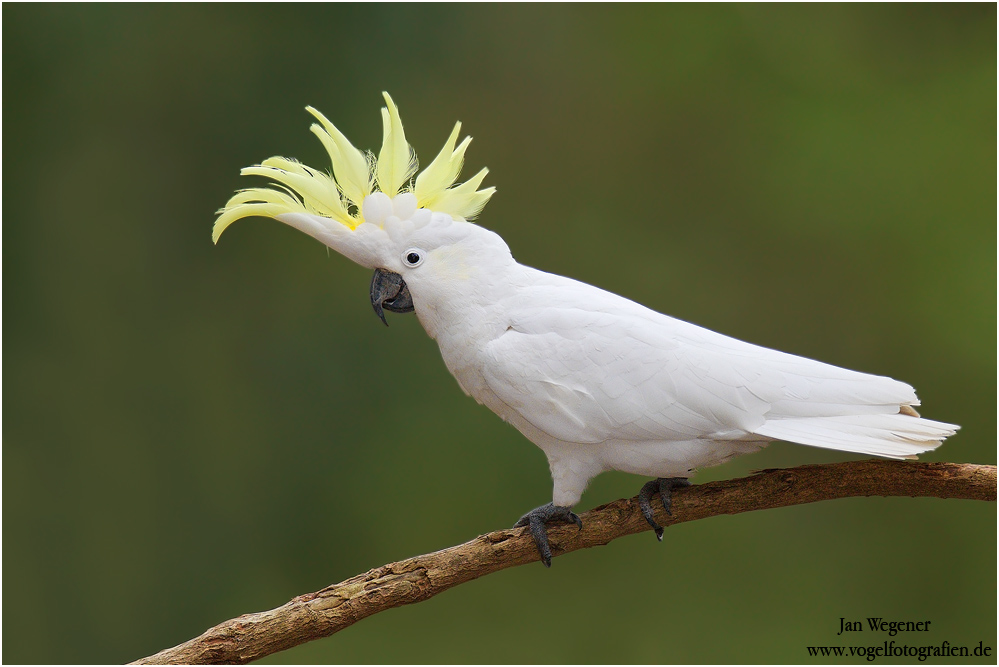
point(583, 365)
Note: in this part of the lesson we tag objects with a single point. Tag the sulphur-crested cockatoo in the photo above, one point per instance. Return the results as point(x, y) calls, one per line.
point(595, 380)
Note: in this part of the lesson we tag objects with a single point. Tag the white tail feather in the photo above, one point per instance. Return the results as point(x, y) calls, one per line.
point(896, 436)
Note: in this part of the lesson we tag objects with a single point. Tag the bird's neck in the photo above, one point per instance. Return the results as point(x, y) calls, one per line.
point(467, 307)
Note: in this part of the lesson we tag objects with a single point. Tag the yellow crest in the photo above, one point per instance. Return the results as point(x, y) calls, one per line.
point(340, 195)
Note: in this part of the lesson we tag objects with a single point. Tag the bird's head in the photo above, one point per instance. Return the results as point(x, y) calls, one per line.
point(414, 232)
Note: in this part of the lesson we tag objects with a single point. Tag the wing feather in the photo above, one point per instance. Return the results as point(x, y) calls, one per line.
point(587, 366)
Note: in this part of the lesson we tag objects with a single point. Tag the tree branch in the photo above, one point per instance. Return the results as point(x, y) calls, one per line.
point(320, 614)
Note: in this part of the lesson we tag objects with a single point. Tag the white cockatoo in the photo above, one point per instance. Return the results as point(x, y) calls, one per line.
point(595, 380)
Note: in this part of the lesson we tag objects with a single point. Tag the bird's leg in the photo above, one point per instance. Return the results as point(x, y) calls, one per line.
point(538, 518)
point(663, 486)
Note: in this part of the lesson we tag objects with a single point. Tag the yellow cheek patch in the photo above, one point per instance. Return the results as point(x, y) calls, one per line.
point(450, 263)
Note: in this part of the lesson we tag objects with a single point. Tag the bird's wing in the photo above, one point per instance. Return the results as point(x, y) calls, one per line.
point(590, 383)
point(584, 365)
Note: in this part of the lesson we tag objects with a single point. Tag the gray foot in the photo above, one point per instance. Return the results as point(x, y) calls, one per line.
point(538, 518)
point(663, 486)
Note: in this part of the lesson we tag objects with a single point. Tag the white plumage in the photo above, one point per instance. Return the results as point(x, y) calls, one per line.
point(600, 382)
point(597, 381)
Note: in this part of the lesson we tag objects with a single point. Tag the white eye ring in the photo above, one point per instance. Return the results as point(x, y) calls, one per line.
point(412, 257)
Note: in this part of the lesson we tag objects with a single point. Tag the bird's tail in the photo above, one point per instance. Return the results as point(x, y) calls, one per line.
point(895, 436)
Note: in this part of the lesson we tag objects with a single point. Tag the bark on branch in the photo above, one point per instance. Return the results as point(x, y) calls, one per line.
point(320, 614)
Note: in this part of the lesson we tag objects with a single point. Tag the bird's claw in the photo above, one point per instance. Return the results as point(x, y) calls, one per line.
point(664, 487)
point(537, 520)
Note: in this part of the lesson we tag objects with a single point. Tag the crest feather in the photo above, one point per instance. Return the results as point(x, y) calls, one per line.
point(350, 167)
point(397, 159)
point(341, 196)
point(443, 171)
point(265, 202)
point(463, 201)
point(318, 191)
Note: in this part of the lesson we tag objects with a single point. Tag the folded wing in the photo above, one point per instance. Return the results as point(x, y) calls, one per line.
point(586, 366)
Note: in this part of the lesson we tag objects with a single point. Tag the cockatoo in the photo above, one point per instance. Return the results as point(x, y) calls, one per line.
point(595, 380)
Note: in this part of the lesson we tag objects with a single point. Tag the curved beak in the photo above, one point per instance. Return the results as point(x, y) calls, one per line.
point(389, 291)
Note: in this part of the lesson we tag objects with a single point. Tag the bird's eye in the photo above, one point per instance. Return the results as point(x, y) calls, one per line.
point(413, 257)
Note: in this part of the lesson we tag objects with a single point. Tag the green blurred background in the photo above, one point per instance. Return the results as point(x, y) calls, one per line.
point(194, 432)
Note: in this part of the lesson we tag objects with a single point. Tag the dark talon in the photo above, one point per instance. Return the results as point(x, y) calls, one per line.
point(644, 496)
point(538, 518)
point(663, 486)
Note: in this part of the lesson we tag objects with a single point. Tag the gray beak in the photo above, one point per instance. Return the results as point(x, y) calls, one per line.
point(389, 291)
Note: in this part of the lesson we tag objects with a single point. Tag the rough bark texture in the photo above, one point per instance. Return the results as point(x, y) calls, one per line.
point(320, 614)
